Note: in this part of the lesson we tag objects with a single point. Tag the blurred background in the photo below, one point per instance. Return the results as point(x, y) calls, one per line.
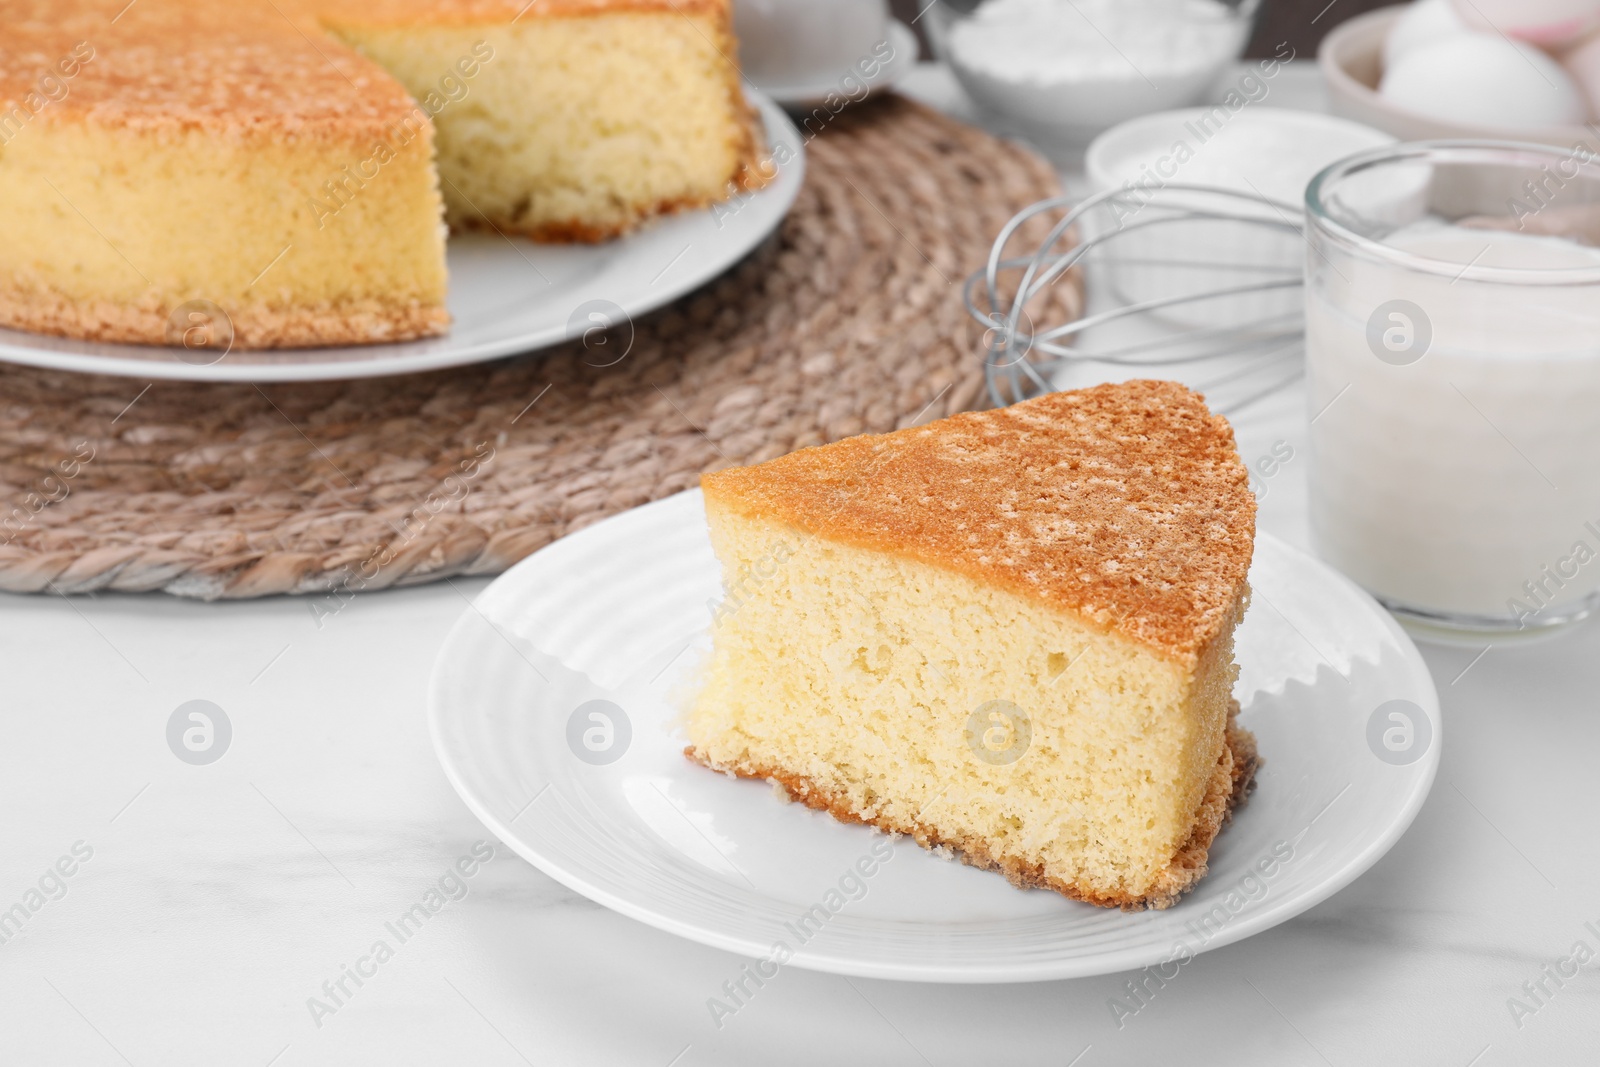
point(1301, 23)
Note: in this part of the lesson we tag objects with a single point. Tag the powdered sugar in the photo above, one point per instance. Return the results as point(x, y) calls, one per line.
point(1055, 42)
point(1067, 69)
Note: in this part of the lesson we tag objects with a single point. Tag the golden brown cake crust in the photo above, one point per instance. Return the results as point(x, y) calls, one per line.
point(479, 12)
point(235, 68)
point(367, 322)
point(247, 67)
point(575, 232)
point(1229, 788)
point(1125, 504)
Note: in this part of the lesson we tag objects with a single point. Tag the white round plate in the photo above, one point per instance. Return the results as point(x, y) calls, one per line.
point(507, 295)
point(618, 612)
point(814, 92)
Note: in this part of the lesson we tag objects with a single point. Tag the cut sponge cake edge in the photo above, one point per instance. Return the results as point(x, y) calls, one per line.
point(113, 260)
point(1077, 562)
point(577, 124)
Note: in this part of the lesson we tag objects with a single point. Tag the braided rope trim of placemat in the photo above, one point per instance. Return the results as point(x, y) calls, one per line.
point(849, 320)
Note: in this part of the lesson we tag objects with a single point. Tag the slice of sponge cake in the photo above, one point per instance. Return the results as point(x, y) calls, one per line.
point(1008, 633)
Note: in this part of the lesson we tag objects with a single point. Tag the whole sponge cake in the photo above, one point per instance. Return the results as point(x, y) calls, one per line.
point(1009, 633)
point(243, 160)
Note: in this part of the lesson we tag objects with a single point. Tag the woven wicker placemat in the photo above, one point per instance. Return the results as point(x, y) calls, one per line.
point(848, 320)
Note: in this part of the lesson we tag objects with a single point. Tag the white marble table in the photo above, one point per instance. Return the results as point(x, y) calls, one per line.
point(216, 900)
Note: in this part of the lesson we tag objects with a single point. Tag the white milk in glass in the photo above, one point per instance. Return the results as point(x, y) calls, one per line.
point(1455, 392)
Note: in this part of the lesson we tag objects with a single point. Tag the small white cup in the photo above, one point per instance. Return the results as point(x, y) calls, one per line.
point(793, 42)
point(1253, 150)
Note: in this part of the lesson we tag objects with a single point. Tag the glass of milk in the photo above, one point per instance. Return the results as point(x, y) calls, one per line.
point(1453, 358)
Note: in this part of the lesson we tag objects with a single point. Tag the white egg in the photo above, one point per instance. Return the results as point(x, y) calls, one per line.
point(1583, 63)
point(1548, 23)
point(1479, 80)
point(1423, 22)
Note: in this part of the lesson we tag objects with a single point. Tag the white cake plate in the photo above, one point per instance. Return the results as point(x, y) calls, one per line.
point(507, 295)
point(552, 709)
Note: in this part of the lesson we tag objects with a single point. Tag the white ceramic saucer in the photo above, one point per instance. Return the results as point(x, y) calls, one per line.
point(814, 92)
point(551, 708)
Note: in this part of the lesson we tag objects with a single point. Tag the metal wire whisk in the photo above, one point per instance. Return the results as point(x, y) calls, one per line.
point(1229, 321)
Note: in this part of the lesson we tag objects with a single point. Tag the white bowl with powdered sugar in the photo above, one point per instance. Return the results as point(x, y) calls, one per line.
point(1063, 70)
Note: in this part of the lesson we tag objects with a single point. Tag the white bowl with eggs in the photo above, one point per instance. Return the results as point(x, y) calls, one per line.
point(1352, 59)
